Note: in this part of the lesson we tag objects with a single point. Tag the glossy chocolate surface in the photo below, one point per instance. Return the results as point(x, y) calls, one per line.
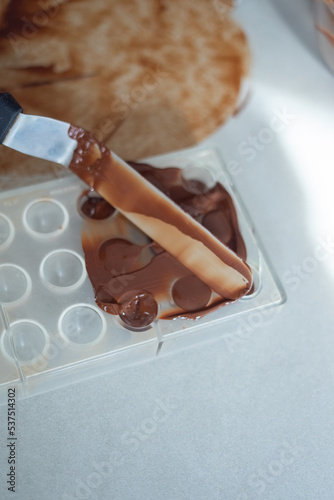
point(131, 279)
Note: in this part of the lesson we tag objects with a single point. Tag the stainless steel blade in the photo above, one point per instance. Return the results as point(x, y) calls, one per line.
point(42, 137)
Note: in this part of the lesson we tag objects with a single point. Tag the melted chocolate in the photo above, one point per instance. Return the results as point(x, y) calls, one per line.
point(138, 308)
point(95, 207)
point(135, 276)
point(190, 293)
point(128, 276)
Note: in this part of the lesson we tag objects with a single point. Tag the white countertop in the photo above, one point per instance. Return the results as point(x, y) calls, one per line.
point(218, 422)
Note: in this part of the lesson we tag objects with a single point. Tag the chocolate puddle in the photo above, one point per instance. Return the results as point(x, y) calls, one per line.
point(133, 276)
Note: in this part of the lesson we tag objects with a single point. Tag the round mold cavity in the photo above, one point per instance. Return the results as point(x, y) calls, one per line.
point(92, 206)
point(25, 341)
point(63, 270)
point(197, 178)
point(15, 284)
point(81, 325)
point(247, 232)
point(138, 309)
point(6, 231)
point(45, 218)
point(257, 285)
point(132, 329)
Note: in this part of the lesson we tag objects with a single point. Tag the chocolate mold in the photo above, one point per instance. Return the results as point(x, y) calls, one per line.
point(53, 333)
point(257, 284)
point(194, 173)
point(15, 284)
point(6, 232)
point(82, 325)
point(45, 218)
point(25, 342)
point(63, 270)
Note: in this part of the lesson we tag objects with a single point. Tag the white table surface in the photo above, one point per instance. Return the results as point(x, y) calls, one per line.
point(215, 422)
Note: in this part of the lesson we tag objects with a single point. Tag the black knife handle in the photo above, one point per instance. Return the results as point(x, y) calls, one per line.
point(9, 109)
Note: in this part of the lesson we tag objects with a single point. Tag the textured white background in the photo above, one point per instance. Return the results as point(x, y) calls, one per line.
point(215, 422)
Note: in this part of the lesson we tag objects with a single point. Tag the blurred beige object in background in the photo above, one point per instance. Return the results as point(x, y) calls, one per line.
point(146, 77)
point(324, 23)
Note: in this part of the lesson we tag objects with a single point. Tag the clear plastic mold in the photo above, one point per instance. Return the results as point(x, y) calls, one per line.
point(51, 331)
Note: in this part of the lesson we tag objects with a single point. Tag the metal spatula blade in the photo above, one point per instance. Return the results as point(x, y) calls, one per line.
point(37, 136)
